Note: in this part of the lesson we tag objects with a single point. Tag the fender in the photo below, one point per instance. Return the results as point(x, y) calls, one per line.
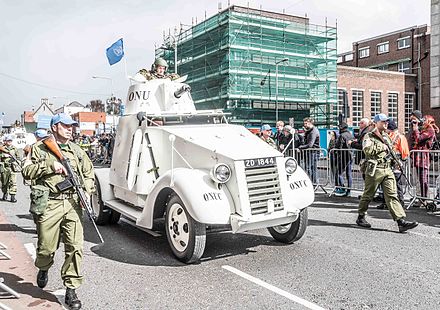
point(103, 177)
point(204, 201)
point(299, 191)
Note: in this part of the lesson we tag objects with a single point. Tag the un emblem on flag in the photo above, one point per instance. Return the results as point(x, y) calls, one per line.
point(118, 51)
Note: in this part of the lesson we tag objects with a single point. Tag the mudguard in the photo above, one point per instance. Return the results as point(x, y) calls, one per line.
point(299, 192)
point(204, 201)
point(103, 177)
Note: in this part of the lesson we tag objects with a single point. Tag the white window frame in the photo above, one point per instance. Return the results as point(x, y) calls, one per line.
point(357, 111)
point(401, 68)
point(366, 50)
point(387, 44)
point(393, 105)
point(349, 57)
point(376, 98)
point(409, 108)
point(404, 39)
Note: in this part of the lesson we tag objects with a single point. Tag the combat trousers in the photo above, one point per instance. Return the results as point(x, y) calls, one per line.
point(62, 218)
point(9, 181)
point(384, 177)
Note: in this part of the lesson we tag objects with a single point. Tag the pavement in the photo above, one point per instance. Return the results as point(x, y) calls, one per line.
point(19, 272)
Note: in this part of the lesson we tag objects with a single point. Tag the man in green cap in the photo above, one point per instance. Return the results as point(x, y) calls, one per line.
point(377, 148)
point(158, 71)
point(8, 168)
point(57, 208)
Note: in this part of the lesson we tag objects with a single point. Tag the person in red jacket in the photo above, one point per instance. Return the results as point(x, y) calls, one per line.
point(423, 140)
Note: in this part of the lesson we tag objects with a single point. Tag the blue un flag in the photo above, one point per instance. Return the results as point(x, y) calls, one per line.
point(115, 52)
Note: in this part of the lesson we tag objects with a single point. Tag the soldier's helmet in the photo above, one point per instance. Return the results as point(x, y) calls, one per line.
point(160, 62)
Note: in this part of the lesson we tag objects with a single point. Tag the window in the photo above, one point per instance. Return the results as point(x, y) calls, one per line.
point(409, 107)
point(382, 67)
point(383, 48)
point(403, 43)
point(358, 103)
point(375, 103)
point(404, 66)
point(392, 106)
point(340, 104)
point(348, 57)
point(364, 52)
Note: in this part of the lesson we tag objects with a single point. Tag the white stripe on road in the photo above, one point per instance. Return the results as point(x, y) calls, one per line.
point(30, 248)
point(274, 289)
point(335, 204)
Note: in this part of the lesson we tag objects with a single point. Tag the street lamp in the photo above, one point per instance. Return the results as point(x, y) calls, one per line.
point(276, 86)
point(111, 88)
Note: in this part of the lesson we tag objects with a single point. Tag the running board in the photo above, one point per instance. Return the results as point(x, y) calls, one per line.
point(131, 214)
point(124, 209)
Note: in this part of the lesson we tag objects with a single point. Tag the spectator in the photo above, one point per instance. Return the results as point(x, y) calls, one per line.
point(365, 126)
point(310, 148)
point(278, 136)
point(415, 118)
point(345, 159)
point(332, 157)
point(423, 141)
point(285, 141)
point(266, 132)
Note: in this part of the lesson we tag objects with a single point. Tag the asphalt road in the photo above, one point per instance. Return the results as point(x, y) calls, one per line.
point(336, 265)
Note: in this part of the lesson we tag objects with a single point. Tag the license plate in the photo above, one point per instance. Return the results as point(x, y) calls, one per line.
point(259, 162)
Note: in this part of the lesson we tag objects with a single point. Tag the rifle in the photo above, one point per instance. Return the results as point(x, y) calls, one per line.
point(72, 180)
point(4, 150)
point(392, 153)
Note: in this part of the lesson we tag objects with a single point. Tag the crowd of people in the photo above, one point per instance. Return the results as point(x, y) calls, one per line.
point(379, 149)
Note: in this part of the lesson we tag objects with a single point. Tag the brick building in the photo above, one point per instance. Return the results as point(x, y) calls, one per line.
point(372, 91)
point(407, 51)
point(89, 122)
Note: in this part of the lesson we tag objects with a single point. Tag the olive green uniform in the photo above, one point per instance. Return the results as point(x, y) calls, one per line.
point(62, 215)
point(8, 169)
point(151, 75)
point(376, 155)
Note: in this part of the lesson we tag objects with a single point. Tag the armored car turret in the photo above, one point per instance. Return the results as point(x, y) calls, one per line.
point(195, 171)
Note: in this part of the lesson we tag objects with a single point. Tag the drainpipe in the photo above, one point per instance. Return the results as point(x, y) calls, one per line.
point(356, 54)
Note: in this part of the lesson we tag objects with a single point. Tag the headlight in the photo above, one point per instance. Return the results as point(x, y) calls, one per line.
point(221, 173)
point(291, 165)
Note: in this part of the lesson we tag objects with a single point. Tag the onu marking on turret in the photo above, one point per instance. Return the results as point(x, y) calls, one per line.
point(138, 95)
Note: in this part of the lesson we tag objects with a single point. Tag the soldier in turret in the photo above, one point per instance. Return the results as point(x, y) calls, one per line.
point(158, 71)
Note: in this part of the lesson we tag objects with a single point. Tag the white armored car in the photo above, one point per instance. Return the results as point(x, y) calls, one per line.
point(194, 170)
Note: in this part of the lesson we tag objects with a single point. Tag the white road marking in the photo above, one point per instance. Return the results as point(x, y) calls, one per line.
point(335, 204)
point(30, 248)
point(274, 289)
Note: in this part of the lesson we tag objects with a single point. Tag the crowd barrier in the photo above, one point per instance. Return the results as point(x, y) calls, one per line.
point(339, 170)
point(424, 178)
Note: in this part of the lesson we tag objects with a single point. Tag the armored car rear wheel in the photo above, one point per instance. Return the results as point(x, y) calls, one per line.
point(187, 237)
point(102, 214)
point(291, 232)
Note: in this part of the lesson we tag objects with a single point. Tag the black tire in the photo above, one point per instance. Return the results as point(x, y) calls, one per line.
point(102, 213)
point(114, 217)
point(291, 232)
point(191, 231)
point(431, 207)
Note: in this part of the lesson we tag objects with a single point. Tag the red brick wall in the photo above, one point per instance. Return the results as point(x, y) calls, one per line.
point(367, 80)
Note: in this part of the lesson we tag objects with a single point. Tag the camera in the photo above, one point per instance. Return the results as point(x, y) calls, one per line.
point(414, 122)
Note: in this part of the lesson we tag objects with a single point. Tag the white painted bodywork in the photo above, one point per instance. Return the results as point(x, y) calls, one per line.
point(180, 156)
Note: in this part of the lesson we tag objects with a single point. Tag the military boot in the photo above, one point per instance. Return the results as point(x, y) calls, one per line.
point(71, 299)
point(13, 198)
point(404, 225)
point(5, 196)
point(42, 278)
point(361, 221)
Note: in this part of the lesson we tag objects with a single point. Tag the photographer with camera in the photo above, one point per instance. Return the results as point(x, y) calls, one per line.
point(416, 118)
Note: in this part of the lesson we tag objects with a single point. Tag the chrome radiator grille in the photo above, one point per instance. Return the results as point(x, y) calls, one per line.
point(263, 184)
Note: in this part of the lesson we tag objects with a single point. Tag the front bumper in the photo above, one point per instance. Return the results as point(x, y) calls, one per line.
point(241, 224)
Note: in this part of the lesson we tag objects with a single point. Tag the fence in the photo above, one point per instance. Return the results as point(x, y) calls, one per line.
point(338, 170)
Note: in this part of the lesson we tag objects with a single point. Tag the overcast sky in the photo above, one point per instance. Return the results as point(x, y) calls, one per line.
point(53, 48)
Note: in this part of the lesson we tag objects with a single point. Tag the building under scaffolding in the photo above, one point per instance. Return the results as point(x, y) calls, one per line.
point(258, 64)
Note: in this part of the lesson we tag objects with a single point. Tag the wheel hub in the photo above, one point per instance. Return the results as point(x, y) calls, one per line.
point(178, 227)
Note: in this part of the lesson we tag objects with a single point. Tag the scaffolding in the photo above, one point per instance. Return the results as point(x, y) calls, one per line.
point(236, 61)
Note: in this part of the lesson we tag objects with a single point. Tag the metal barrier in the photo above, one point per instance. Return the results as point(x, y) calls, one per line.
point(315, 164)
point(424, 178)
point(344, 171)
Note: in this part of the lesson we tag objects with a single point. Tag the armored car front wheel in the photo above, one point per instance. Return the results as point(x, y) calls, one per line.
point(187, 237)
point(291, 232)
point(102, 215)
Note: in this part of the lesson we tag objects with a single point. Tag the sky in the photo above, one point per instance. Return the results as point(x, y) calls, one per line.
point(51, 49)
